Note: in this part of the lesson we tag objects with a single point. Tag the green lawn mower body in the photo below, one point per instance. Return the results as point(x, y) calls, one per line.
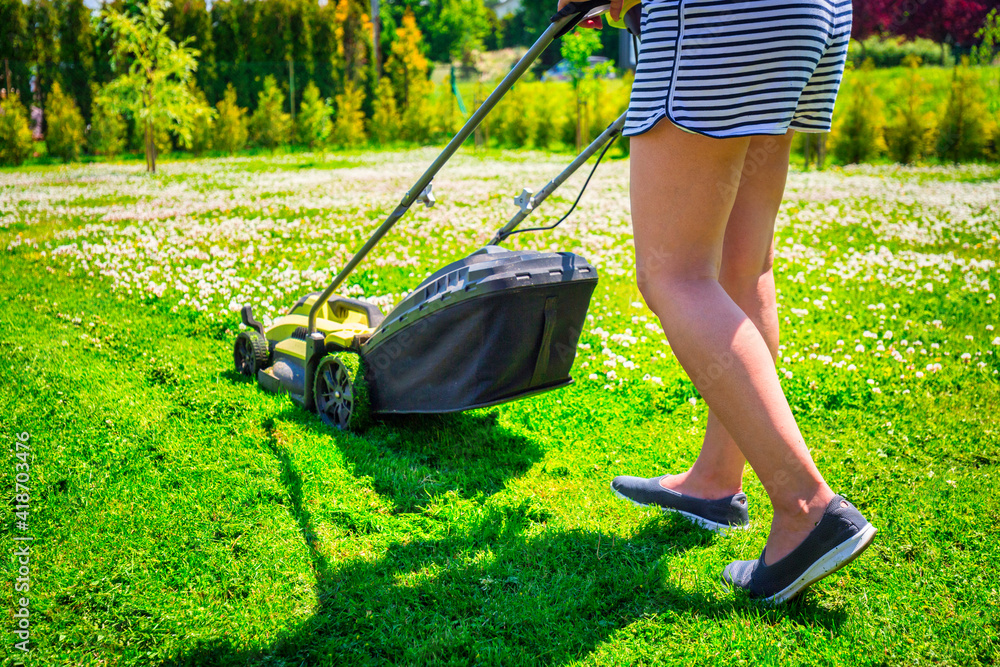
point(492, 327)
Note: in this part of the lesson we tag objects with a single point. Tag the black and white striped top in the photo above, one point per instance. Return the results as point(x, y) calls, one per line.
point(728, 69)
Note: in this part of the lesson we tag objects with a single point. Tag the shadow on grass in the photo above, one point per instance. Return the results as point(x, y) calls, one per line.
point(412, 458)
point(236, 377)
point(504, 591)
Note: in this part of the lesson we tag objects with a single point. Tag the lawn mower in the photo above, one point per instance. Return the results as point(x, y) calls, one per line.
point(492, 327)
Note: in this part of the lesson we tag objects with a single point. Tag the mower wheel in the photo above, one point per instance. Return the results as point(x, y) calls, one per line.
point(340, 391)
point(250, 353)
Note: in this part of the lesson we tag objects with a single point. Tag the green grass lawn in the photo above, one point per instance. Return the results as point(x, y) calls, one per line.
point(182, 516)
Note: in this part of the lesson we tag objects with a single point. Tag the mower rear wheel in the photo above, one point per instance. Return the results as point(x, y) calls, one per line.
point(340, 393)
point(250, 353)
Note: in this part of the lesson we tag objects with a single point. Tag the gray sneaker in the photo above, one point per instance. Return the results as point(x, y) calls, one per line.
point(717, 515)
point(839, 537)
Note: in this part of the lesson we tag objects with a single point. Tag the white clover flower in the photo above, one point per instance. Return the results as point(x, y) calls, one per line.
point(919, 374)
point(593, 376)
point(887, 335)
point(966, 356)
point(859, 348)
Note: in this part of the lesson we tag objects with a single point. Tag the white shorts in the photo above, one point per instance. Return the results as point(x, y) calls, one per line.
point(731, 69)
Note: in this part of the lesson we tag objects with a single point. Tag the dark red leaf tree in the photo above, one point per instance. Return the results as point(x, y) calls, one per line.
point(951, 21)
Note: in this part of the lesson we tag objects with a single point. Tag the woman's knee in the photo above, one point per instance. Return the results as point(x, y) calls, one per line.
point(667, 292)
point(742, 270)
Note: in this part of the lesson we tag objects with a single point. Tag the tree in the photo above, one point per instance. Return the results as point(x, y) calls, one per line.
point(857, 132)
point(231, 126)
point(104, 42)
point(407, 69)
point(576, 48)
point(191, 20)
point(270, 126)
point(873, 17)
point(456, 28)
point(962, 132)
point(107, 127)
point(43, 25)
point(526, 25)
point(907, 135)
point(15, 45)
point(15, 134)
point(314, 118)
point(283, 32)
point(232, 31)
point(202, 124)
point(155, 73)
point(352, 60)
point(385, 121)
point(406, 66)
point(954, 21)
point(349, 126)
point(64, 136)
point(989, 40)
point(76, 52)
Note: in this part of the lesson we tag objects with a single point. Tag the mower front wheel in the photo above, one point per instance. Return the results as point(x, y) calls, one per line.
point(250, 353)
point(340, 392)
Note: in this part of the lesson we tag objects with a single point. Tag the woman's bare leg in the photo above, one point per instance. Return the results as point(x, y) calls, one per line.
point(683, 190)
point(747, 276)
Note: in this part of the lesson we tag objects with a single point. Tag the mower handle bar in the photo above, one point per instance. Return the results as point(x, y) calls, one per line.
point(564, 21)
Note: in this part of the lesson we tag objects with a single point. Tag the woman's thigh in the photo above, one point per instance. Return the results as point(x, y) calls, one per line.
point(747, 250)
point(683, 187)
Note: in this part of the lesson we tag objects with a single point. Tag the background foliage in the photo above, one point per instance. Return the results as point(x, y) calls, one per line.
point(300, 45)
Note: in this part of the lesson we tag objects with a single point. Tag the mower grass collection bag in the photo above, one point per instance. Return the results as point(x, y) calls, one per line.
point(491, 327)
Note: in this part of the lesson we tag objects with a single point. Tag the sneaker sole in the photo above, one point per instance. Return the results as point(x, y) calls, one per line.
point(720, 528)
point(834, 559)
